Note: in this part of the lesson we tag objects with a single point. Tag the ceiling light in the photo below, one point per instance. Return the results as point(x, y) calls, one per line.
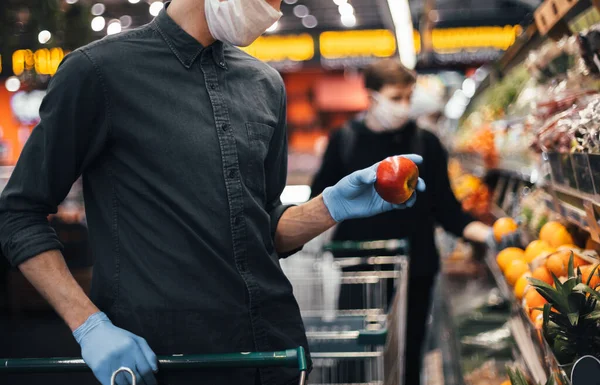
point(98, 23)
point(290, 1)
point(71, 1)
point(98, 9)
point(401, 16)
point(310, 21)
point(114, 27)
point(346, 9)
point(125, 21)
point(134, 1)
point(155, 8)
point(273, 27)
point(44, 37)
point(348, 20)
point(469, 87)
point(13, 84)
point(340, 2)
point(301, 11)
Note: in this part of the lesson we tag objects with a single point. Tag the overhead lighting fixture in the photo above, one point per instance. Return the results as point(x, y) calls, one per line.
point(340, 2)
point(125, 21)
point(98, 23)
point(114, 27)
point(469, 87)
point(13, 84)
point(134, 1)
point(290, 1)
point(348, 20)
point(310, 21)
point(301, 11)
point(346, 9)
point(72, 1)
point(98, 9)
point(273, 28)
point(155, 8)
point(44, 37)
point(400, 12)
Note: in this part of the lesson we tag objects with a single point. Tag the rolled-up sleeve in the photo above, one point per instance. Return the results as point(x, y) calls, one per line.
point(72, 131)
point(276, 171)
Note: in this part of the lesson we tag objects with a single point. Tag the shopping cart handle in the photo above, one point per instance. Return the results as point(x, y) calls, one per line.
point(293, 358)
point(372, 337)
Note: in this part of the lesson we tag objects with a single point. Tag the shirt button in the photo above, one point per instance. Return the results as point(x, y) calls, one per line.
point(232, 173)
point(222, 64)
point(224, 126)
point(212, 86)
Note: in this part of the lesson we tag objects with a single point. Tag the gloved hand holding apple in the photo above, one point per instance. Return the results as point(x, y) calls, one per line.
point(385, 186)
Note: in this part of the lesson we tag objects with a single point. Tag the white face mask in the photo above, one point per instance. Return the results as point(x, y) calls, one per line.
point(386, 115)
point(239, 22)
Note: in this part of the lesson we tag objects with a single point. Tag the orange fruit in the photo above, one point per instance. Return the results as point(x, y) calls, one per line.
point(556, 264)
point(504, 226)
point(515, 270)
point(565, 254)
point(543, 274)
point(536, 248)
point(555, 234)
point(533, 300)
point(585, 274)
point(522, 285)
point(506, 256)
point(535, 314)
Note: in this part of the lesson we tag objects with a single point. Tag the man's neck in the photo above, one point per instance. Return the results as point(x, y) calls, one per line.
point(189, 15)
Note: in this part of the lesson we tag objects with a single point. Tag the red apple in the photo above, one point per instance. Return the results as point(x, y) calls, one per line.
point(397, 179)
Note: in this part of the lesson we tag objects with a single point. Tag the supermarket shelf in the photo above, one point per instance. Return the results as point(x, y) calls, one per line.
point(579, 209)
point(473, 164)
point(536, 353)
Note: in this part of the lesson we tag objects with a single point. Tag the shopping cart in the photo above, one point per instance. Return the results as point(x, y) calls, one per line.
point(294, 358)
point(344, 297)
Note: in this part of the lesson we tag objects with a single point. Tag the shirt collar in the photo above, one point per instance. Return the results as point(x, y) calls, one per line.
point(185, 47)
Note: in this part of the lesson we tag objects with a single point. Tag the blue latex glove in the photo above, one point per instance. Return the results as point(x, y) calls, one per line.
point(105, 348)
point(355, 195)
point(509, 240)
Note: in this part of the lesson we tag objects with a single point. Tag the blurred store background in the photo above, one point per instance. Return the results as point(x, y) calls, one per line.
point(505, 79)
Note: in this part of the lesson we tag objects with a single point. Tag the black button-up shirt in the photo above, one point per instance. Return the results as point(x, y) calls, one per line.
point(183, 154)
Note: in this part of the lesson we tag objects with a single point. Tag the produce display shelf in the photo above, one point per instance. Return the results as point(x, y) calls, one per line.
point(580, 209)
point(473, 164)
point(551, 12)
point(537, 354)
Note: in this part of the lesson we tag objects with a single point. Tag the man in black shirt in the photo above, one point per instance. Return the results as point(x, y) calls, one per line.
point(384, 130)
point(181, 141)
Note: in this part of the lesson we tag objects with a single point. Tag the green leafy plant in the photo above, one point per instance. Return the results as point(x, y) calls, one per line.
point(571, 315)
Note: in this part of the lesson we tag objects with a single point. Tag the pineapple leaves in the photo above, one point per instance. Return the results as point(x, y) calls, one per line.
point(570, 269)
point(589, 280)
point(586, 289)
point(553, 296)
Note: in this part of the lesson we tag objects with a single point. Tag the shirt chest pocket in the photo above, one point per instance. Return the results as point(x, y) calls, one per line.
point(259, 140)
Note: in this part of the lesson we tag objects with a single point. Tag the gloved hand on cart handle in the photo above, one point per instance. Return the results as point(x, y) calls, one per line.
point(105, 348)
point(355, 197)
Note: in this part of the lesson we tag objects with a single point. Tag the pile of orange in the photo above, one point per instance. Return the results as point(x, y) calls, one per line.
point(508, 255)
point(555, 234)
point(536, 249)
